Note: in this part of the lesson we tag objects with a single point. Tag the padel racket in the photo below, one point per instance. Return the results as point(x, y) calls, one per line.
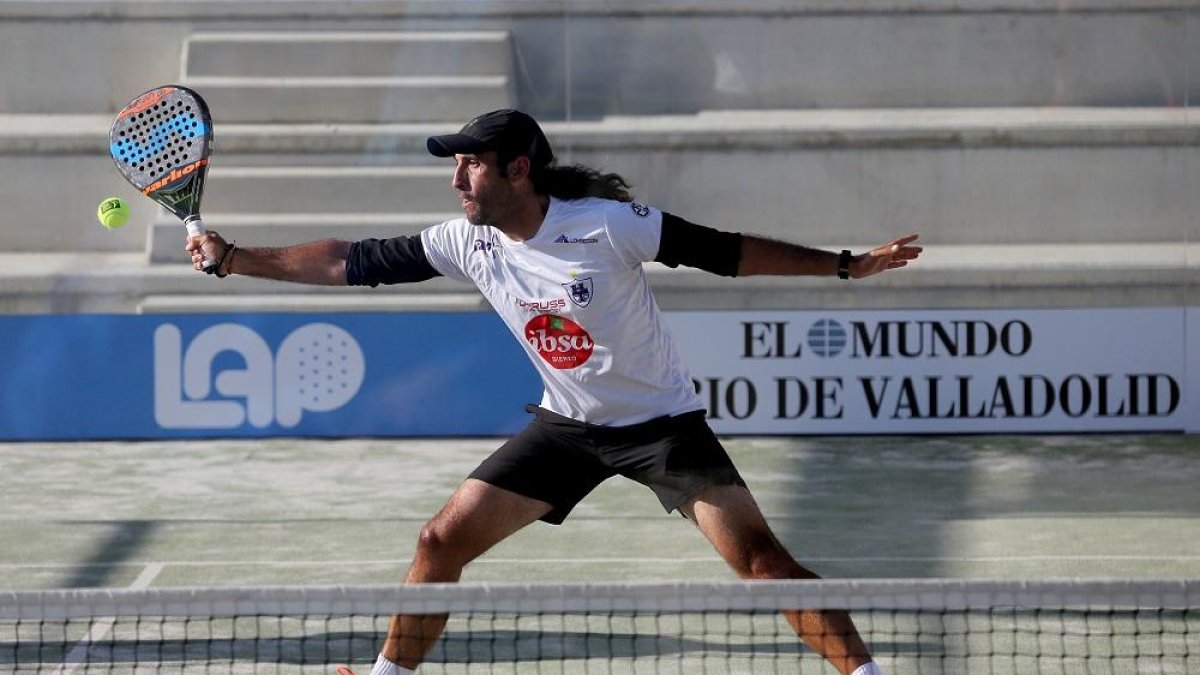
point(161, 142)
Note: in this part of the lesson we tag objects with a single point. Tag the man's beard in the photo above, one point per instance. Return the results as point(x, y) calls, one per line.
point(498, 205)
point(480, 217)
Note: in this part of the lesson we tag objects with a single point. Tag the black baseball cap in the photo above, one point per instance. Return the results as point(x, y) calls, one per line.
point(507, 131)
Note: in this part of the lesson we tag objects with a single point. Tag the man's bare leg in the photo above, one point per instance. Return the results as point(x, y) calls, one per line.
point(731, 520)
point(477, 517)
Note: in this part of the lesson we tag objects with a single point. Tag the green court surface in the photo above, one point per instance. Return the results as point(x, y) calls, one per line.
point(328, 512)
point(292, 511)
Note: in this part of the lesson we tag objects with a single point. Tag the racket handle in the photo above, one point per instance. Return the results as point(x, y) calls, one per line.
point(195, 228)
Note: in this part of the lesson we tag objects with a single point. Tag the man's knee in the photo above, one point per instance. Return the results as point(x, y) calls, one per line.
point(766, 558)
point(437, 544)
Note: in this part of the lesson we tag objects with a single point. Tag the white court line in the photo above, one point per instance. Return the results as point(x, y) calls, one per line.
point(159, 565)
point(102, 625)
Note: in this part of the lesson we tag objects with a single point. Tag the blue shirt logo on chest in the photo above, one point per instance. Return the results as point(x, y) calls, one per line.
point(564, 239)
point(580, 291)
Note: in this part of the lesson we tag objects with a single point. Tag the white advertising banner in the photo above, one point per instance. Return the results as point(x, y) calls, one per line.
point(1191, 364)
point(944, 371)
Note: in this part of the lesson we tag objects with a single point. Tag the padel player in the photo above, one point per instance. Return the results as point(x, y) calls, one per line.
point(558, 252)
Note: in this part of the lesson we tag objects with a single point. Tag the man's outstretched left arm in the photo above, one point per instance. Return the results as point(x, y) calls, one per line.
point(741, 255)
point(760, 255)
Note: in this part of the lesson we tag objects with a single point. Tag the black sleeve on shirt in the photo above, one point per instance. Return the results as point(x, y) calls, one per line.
point(388, 261)
point(685, 243)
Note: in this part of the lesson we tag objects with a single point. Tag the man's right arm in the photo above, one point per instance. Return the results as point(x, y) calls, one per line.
point(318, 262)
point(329, 262)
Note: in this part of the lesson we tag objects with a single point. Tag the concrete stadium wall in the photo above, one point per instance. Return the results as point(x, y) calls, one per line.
point(996, 178)
point(1046, 147)
point(577, 59)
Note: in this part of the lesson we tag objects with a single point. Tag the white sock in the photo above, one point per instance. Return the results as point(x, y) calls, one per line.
point(867, 669)
point(385, 667)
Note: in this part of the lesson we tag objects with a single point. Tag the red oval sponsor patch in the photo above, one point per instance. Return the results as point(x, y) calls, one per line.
point(559, 340)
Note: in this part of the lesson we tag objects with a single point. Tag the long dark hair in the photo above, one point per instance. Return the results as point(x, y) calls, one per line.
point(575, 181)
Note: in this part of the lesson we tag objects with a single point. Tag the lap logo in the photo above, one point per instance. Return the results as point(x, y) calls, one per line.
point(319, 367)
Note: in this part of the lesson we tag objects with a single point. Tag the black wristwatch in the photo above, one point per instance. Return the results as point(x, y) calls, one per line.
point(844, 264)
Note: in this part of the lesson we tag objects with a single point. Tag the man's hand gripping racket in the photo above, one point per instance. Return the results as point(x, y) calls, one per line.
point(160, 143)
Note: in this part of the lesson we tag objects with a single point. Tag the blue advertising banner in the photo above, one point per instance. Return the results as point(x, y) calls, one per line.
point(194, 376)
point(80, 377)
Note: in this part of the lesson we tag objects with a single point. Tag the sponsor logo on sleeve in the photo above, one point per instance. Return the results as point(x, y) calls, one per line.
point(487, 247)
point(640, 209)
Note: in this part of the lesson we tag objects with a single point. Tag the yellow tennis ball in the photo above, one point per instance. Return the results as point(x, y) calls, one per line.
point(113, 212)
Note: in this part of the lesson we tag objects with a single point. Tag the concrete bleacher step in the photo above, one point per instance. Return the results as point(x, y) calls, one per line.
point(1062, 274)
point(329, 189)
point(279, 205)
point(311, 302)
point(971, 176)
point(166, 238)
point(351, 99)
point(642, 57)
point(339, 53)
point(349, 76)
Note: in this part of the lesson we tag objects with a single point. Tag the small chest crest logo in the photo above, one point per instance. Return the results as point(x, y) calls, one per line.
point(580, 291)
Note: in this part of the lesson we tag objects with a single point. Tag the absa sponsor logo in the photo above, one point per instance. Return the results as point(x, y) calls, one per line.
point(561, 342)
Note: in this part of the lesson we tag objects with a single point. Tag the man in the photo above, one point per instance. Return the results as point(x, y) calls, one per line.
point(558, 252)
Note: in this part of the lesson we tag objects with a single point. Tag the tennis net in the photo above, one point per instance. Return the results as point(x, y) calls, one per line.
point(911, 626)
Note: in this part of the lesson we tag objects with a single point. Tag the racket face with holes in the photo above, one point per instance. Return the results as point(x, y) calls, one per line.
point(160, 142)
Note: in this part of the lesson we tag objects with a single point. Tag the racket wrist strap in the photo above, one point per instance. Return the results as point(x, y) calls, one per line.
point(226, 261)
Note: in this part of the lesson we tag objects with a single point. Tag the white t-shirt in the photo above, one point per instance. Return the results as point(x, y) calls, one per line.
point(577, 299)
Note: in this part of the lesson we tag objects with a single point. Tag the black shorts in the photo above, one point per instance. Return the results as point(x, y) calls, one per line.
point(560, 460)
